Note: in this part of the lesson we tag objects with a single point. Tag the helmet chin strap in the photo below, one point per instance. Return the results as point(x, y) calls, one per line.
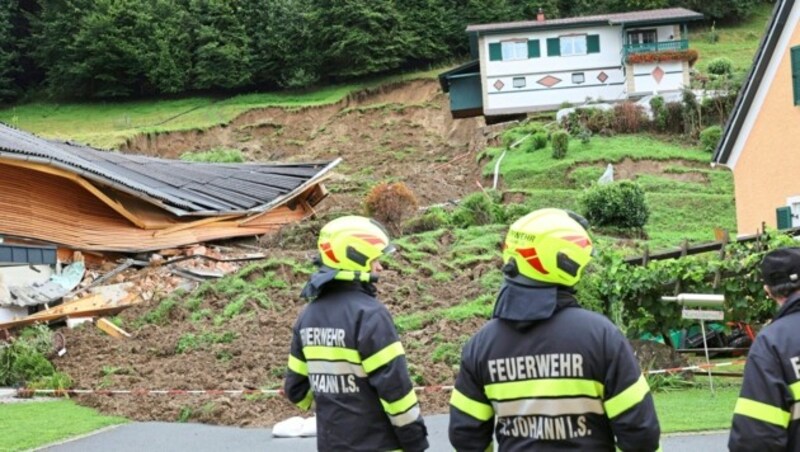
point(348, 275)
point(511, 272)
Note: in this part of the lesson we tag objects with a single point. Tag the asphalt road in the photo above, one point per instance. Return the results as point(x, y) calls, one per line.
point(163, 436)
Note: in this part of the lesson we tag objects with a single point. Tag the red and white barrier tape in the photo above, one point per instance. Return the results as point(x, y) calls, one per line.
point(696, 367)
point(25, 392)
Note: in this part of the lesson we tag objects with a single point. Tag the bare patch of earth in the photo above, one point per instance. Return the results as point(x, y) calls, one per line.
point(400, 132)
point(631, 169)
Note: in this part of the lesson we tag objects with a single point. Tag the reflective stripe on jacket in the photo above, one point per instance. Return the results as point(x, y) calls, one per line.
point(570, 382)
point(346, 356)
point(767, 415)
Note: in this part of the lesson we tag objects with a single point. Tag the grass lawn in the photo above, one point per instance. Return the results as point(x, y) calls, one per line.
point(696, 409)
point(675, 204)
point(738, 42)
point(28, 425)
point(108, 124)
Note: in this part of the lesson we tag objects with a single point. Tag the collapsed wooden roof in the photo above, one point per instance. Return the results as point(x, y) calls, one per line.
point(90, 199)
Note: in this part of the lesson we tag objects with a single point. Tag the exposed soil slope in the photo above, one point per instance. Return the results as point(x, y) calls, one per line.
point(235, 334)
point(400, 132)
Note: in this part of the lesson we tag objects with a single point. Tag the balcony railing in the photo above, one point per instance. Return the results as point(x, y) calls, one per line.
point(681, 44)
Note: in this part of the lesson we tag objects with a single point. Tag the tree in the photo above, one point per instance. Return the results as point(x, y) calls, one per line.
point(221, 56)
point(721, 9)
point(8, 53)
point(168, 56)
point(358, 37)
point(426, 25)
point(280, 32)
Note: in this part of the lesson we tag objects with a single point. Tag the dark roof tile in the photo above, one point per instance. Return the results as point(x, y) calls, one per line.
point(183, 188)
point(653, 15)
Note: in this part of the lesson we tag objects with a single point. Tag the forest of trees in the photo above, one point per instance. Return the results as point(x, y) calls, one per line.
point(81, 49)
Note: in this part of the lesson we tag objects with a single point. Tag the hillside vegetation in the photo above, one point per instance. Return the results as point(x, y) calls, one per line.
point(440, 286)
point(112, 49)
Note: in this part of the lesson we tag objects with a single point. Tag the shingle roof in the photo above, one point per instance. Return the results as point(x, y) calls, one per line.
point(654, 15)
point(183, 188)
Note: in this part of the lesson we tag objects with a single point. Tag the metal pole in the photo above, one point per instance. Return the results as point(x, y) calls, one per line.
point(708, 361)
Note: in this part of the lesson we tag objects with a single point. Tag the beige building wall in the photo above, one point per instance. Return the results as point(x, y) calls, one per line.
point(768, 170)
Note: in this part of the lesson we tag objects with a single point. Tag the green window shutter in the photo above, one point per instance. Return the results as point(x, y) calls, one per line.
point(553, 47)
point(495, 52)
point(796, 74)
point(784, 217)
point(593, 44)
point(533, 48)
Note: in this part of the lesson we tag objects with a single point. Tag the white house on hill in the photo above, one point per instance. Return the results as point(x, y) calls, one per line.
point(538, 65)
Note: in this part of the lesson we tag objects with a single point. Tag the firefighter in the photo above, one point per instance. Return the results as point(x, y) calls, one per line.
point(346, 356)
point(766, 415)
point(544, 374)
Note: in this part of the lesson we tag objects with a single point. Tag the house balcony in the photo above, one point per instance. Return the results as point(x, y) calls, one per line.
point(678, 45)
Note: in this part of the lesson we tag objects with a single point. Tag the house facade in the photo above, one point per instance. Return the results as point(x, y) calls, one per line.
point(763, 131)
point(529, 66)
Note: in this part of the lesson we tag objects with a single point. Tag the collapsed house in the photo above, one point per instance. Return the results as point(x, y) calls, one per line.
point(83, 198)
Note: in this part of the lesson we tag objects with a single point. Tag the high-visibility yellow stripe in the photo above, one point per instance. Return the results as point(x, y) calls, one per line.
point(478, 410)
point(626, 399)
point(297, 366)
point(400, 406)
point(305, 404)
point(546, 387)
point(762, 412)
point(795, 388)
point(332, 353)
point(383, 357)
point(345, 275)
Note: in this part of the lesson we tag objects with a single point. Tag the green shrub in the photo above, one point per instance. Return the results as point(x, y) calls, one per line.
point(712, 36)
point(709, 138)
point(522, 132)
point(595, 120)
point(216, 155)
point(431, 220)
point(659, 110)
point(539, 141)
point(585, 135)
point(478, 209)
point(720, 66)
point(25, 360)
point(619, 204)
point(560, 144)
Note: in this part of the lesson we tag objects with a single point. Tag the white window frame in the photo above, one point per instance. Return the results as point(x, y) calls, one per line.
point(793, 202)
point(514, 49)
point(640, 35)
point(571, 45)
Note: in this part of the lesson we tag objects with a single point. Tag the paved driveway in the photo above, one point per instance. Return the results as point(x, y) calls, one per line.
point(163, 436)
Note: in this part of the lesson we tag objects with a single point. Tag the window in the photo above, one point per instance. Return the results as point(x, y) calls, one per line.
point(514, 50)
point(519, 82)
point(642, 37)
point(578, 78)
point(572, 45)
point(796, 74)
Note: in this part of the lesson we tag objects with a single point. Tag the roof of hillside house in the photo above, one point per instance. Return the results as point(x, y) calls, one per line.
point(182, 188)
point(631, 18)
point(764, 55)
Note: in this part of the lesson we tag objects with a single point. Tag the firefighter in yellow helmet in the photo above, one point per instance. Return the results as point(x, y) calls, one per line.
point(346, 355)
point(543, 373)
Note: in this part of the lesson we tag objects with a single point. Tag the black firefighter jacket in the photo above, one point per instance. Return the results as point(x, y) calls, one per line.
point(346, 355)
point(767, 414)
point(554, 377)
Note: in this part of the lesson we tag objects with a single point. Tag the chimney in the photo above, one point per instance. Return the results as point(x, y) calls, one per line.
point(540, 16)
